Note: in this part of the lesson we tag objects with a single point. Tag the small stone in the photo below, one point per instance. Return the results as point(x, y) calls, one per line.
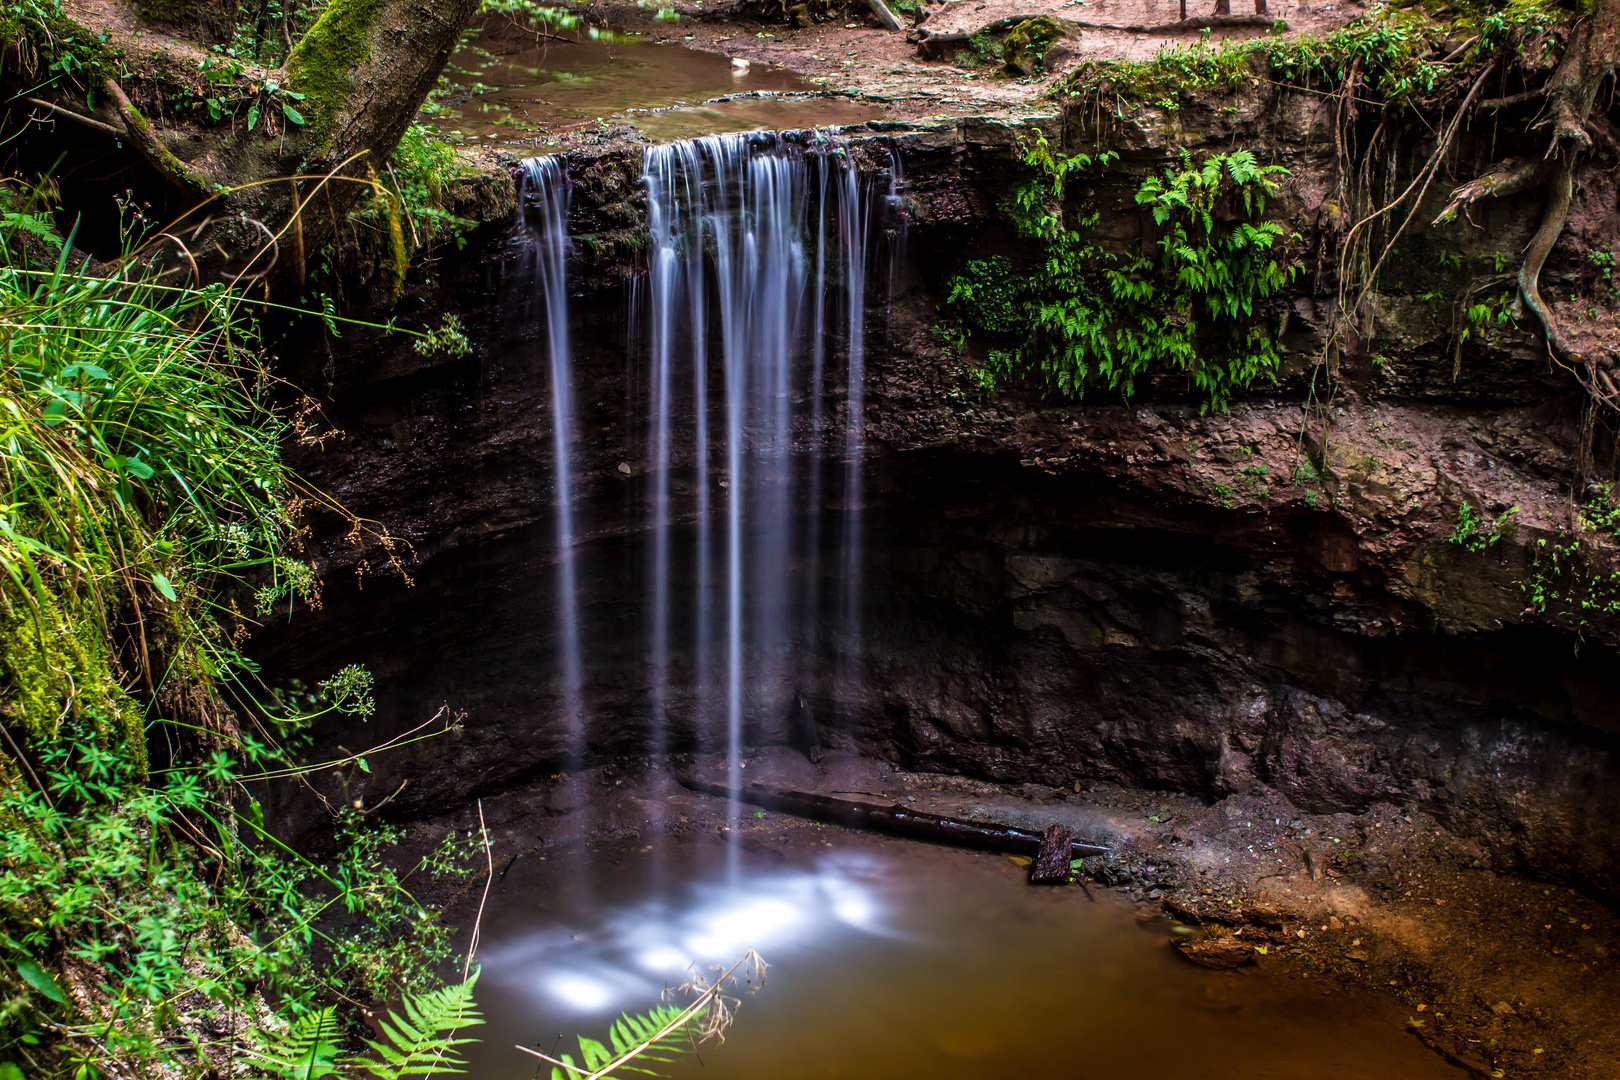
point(624, 467)
point(1335, 923)
point(1154, 894)
point(1502, 1008)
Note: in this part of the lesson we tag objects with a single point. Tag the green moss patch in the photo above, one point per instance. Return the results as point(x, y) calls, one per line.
point(323, 62)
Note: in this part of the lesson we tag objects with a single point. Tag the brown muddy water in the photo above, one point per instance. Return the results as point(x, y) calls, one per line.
point(898, 961)
point(530, 97)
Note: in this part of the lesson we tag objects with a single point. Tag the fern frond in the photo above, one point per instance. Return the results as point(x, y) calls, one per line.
point(637, 1040)
point(422, 1041)
point(308, 1051)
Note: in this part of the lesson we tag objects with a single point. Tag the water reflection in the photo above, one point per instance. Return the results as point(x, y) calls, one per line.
point(627, 955)
point(902, 962)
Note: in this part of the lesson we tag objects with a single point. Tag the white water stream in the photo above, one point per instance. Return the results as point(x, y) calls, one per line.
point(757, 277)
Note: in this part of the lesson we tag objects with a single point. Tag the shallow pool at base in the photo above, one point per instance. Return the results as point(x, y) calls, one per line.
point(897, 960)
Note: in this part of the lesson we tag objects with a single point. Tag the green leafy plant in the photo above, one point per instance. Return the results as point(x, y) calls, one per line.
point(142, 493)
point(1472, 532)
point(1189, 303)
point(1573, 577)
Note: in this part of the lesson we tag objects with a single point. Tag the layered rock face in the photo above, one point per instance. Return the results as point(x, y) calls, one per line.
point(1050, 591)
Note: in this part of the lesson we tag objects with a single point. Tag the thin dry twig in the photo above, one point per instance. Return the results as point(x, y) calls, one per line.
point(489, 859)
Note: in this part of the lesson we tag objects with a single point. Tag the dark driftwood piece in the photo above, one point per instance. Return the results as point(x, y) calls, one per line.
point(894, 820)
point(1051, 865)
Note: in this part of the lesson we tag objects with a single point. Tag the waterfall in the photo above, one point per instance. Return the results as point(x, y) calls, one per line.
point(754, 313)
point(759, 245)
point(545, 187)
point(852, 226)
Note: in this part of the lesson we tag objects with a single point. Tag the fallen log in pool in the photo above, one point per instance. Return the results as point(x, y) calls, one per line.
point(893, 820)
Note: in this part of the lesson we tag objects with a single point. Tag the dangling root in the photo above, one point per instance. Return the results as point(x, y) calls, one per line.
point(1560, 184)
point(1588, 62)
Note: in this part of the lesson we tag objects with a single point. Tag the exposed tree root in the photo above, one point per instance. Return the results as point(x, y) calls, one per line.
point(1560, 187)
point(1588, 62)
point(1508, 177)
point(1513, 99)
point(138, 130)
point(933, 45)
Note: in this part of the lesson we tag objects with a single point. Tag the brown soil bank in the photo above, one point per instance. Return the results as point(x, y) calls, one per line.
point(1260, 610)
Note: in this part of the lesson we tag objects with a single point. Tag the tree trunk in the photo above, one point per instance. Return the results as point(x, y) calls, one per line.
point(1593, 51)
point(364, 69)
point(357, 78)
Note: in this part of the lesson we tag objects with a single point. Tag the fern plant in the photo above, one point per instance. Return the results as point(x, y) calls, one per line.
point(422, 1041)
point(419, 1039)
point(644, 1039)
point(650, 1038)
point(309, 1051)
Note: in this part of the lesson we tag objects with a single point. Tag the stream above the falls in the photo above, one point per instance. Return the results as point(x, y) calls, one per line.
point(522, 93)
point(894, 959)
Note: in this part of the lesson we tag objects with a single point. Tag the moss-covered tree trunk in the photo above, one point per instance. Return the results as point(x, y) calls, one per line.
point(331, 117)
point(364, 69)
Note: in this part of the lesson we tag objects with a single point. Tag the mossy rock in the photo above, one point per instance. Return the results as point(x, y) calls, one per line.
point(1027, 42)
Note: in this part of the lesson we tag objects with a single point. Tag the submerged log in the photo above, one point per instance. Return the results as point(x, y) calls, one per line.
point(1052, 861)
point(894, 820)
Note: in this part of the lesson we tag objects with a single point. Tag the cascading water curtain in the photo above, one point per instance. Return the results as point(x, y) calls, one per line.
point(545, 189)
point(759, 247)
